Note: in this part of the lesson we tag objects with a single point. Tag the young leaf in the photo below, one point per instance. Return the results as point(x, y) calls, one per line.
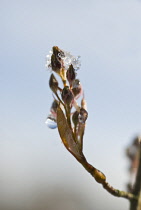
point(67, 135)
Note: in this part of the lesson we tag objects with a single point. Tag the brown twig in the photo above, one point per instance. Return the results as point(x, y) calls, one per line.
point(101, 178)
point(137, 186)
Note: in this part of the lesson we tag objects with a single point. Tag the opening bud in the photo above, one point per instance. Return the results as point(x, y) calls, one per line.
point(67, 95)
point(71, 74)
point(53, 83)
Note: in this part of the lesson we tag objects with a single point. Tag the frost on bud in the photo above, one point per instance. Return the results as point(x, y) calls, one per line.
point(56, 59)
point(71, 74)
point(58, 53)
point(67, 96)
point(77, 88)
point(83, 115)
point(53, 83)
point(75, 117)
point(55, 63)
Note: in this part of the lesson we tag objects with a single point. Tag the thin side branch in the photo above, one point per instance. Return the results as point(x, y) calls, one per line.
point(119, 193)
point(137, 185)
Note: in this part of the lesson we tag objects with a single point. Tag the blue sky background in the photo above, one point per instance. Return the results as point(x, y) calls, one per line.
point(107, 35)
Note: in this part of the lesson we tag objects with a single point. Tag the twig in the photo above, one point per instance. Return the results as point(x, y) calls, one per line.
point(137, 186)
point(119, 193)
point(101, 178)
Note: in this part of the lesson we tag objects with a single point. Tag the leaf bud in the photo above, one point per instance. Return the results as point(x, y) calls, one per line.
point(99, 176)
point(70, 74)
point(58, 53)
point(83, 115)
point(53, 83)
point(55, 63)
point(77, 88)
point(67, 95)
point(75, 118)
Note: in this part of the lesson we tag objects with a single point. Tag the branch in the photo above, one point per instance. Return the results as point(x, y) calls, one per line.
point(137, 186)
point(72, 136)
point(101, 178)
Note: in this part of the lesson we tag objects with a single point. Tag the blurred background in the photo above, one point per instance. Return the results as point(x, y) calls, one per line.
point(36, 171)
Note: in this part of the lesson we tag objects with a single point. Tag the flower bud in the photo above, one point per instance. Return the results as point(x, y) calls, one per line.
point(53, 83)
point(83, 115)
point(67, 95)
point(75, 117)
point(70, 74)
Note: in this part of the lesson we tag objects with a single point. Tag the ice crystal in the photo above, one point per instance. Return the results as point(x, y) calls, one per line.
point(67, 59)
point(70, 59)
point(48, 60)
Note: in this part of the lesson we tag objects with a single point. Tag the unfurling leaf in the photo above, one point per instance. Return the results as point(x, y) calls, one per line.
point(67, 135)
point(79, 120)
point(80, 134)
